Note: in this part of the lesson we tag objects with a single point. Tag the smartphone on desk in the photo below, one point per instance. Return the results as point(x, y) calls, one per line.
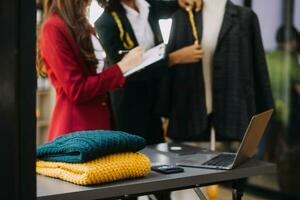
point(167, 169)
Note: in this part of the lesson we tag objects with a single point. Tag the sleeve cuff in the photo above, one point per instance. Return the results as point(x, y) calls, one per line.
point(118, 77)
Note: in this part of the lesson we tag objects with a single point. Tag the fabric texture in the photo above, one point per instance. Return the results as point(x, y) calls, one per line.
point(241, 85)
point(102, 170)
point(83, 146)
point(134, 104)
point(81, 94)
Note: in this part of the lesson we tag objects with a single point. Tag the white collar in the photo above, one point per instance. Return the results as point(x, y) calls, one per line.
point(142, 6)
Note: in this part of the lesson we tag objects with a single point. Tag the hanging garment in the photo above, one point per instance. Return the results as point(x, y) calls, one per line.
point(241, 86)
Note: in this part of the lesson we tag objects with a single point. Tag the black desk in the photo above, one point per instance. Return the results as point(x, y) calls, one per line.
point(54, 189)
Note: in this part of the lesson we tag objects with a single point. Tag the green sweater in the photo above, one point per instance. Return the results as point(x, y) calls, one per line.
point(83, 146)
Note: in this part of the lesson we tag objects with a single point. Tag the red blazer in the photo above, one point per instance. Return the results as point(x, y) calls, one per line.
point(81, 93)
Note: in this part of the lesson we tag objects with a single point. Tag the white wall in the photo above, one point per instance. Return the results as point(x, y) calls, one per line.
point(270, 17)
point(297, 14)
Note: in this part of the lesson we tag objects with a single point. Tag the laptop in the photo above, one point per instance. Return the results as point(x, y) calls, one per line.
point(246, 151)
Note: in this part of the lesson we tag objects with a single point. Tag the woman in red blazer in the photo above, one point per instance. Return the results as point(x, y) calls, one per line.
point(67, 55)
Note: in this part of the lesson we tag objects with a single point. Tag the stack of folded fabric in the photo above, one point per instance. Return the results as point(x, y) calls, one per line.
point(93, 157)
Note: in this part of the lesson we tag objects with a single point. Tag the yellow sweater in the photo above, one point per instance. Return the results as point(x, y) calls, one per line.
point(105, 169)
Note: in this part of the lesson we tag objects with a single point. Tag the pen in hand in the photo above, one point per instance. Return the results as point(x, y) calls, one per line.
point(122, 51)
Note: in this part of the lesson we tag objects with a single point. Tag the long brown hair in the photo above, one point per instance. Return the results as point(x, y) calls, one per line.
point(73, 13)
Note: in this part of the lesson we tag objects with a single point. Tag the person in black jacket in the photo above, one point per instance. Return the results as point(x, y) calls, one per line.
point(240, 80)
point(124, 25)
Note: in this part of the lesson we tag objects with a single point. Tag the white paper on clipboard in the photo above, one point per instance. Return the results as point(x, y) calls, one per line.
point(151, 56)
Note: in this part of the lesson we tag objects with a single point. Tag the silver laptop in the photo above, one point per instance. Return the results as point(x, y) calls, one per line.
point(247, 148)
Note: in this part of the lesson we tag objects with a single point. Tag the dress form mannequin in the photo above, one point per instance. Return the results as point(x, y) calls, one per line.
point(238, 72)
point(213, 14)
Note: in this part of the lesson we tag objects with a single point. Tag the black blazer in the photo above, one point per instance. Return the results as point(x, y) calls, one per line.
point(241, 86)
point(134, 105)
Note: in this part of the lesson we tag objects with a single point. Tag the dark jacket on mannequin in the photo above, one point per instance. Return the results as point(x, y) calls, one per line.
point(134, 104)
point(241, 86)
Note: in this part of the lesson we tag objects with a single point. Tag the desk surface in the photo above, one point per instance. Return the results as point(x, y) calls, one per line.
point(54, 189)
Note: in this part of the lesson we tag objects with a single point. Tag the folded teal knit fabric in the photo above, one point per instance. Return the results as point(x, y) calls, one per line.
point(83, 146)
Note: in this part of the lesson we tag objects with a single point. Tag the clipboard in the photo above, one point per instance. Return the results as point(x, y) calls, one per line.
point(151, 56)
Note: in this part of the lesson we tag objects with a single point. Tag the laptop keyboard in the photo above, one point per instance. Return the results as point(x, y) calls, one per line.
point(222, 160)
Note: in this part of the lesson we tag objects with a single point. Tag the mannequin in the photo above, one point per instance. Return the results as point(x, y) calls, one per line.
point(213, 14)
point(227, 87)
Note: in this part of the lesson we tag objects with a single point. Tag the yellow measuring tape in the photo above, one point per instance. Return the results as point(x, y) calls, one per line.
point(124, 36)
point(127, 41)
point(193, 23)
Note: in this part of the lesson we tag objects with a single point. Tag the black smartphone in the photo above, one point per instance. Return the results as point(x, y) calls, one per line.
point(167, 169)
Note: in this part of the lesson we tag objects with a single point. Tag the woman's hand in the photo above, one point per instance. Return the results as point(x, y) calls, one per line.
point(186, 55)
point(131, 60)
point(197, 4)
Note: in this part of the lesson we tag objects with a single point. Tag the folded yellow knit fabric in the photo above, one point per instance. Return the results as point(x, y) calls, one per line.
point(105, 169)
